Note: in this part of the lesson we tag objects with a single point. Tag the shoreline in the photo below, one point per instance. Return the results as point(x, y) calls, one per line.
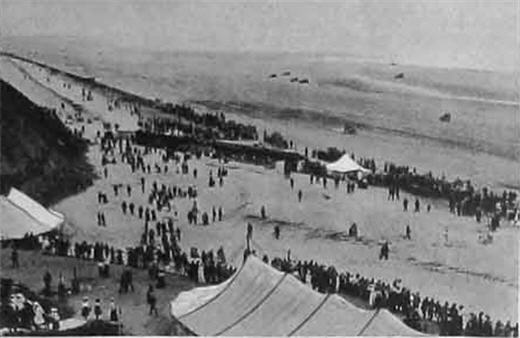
point(365, 130)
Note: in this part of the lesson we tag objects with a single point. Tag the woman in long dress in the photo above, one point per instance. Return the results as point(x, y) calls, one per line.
point(85, 308)
point(113, 311)
point(39, 313)
point(201, 278)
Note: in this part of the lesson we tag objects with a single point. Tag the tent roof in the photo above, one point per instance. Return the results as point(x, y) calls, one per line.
point(262, 301)
point(46, 216)
point(345, 164)
point(21, 215)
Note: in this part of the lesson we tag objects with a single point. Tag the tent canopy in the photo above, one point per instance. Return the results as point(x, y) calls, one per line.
point(345, 165)
point(20, 215)
point(259, 300)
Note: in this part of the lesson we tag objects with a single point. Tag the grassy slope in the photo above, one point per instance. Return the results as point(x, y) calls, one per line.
point(39, 155)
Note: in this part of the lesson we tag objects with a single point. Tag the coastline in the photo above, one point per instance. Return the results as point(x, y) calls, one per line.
point(241, 204)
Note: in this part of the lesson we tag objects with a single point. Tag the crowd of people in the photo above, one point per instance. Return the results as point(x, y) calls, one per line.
point(96, 312)
point(22, 310)
point(203, 126)
point(396, 298)
point(464, 199)
point(208, 269)
point(159, 252)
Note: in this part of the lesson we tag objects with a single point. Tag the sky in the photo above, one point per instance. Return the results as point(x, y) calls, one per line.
point(480, 34)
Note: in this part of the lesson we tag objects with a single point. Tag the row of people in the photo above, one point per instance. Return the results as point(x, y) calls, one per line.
point(396, 298)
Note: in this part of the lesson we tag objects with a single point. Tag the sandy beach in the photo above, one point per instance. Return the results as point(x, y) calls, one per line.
point(398, 118)
point(315, 228)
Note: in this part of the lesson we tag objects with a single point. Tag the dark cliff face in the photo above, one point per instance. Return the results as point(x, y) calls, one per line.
point(39, 155)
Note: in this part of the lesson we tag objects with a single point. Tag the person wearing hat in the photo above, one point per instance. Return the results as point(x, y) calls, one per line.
point(480, 322)
point(39, 313)
point(499, 329)
point(85, 308)
point(55, 319)
point(14, 258)
point(508, 329)
point(47, 279)
point(97, 308)
point(113, 310)
point(459, 325)
point(61, 286)
point(152, 300)
point(10, 315)
point(487, 327)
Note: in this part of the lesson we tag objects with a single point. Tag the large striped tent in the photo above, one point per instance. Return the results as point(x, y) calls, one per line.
point(259, 300)
point(21, 215)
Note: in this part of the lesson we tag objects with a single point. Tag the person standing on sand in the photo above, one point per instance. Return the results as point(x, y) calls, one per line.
point(201, 277)
point(47, 279)
point(97, 309)
point(152, 300)
point(417, 205)
point(14, 258)
point(300, 196)
point(249, 235)
point(408, 232)
point(383, 254)
point(54, 319)
point(85, 308)
point(39, 314)
point(112, 310)
point(129, 279)
point(405, 204)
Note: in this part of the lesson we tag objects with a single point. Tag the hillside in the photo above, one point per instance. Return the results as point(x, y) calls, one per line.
point(39, 155)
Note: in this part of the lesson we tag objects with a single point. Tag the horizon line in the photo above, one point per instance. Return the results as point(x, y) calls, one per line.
point(378, 59)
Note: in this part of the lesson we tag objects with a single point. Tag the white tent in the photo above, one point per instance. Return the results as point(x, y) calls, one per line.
point(20, 215)
point(259, 300)
point(345, 165)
